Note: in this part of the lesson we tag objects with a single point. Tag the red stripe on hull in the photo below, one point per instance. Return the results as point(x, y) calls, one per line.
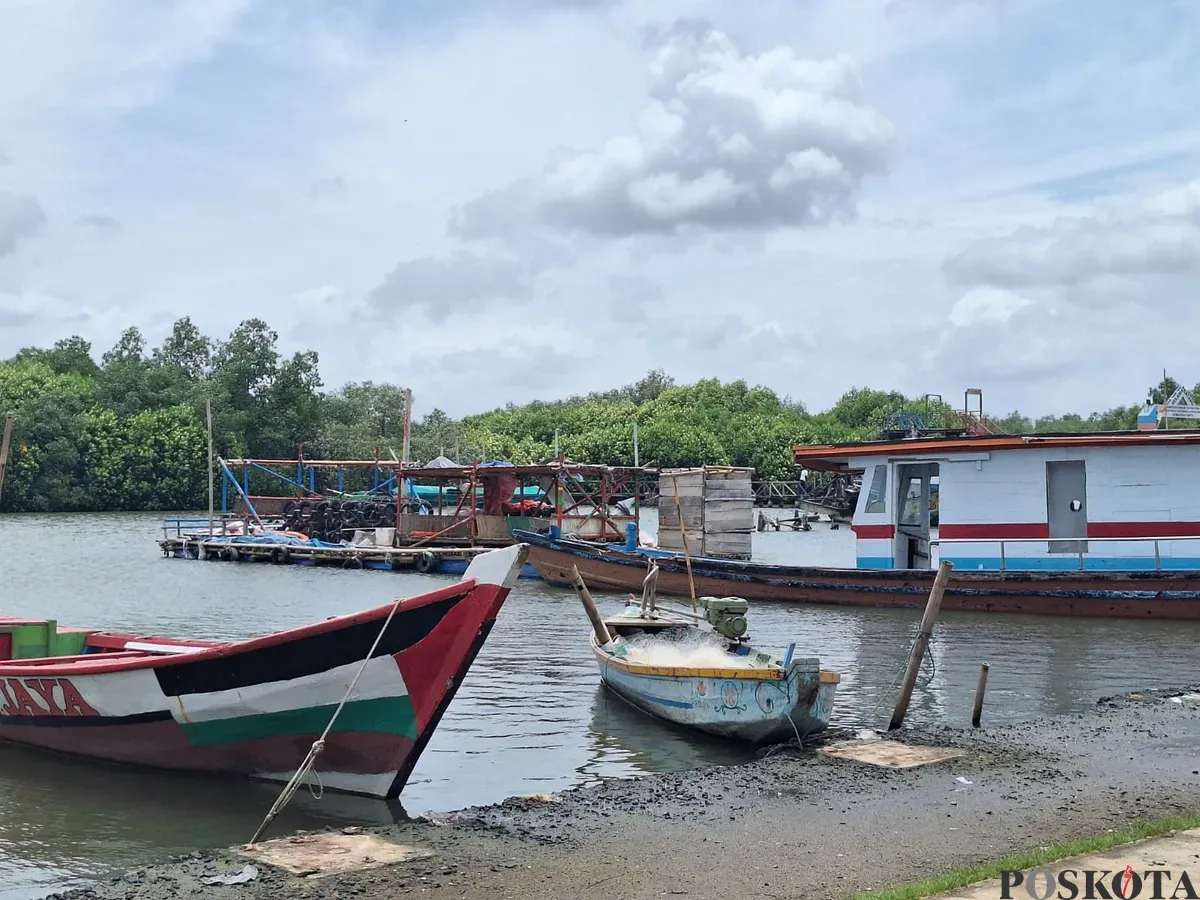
point(1143, 529)
point(994, 532)
point(163, 745)
point(430, 666)
point(874, 532)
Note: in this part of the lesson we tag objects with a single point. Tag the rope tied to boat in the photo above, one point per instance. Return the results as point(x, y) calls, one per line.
point(318, 746)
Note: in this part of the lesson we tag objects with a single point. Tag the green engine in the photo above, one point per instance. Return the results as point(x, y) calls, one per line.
point(727, 616)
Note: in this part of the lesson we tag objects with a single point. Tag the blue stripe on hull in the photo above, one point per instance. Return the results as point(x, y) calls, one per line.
point(1069, 563)
point(875, 562)
point(650, 698)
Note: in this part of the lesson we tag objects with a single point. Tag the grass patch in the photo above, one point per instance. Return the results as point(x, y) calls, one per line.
point(936, 884)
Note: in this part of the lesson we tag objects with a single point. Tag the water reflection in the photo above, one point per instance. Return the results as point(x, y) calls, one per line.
point(618, 731)
point(62, 818)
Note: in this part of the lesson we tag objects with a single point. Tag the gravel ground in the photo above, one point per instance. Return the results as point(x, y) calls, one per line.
point(791, 825)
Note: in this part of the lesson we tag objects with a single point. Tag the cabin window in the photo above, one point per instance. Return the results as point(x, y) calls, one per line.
point(911, 513)
point(877, 498)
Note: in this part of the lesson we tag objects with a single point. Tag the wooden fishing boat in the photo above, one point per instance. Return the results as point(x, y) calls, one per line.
point(1139, 594)
point(731, 691)
point(254, 708)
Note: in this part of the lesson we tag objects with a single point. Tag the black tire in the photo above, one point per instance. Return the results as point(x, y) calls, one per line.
point(280, 556)
point(353, 563)
point(426, 563)
point(288, 508)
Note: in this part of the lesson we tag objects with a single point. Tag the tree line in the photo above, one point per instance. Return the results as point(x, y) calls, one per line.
point(127, 431)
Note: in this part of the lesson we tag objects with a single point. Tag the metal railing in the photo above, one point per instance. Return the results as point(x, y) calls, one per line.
point(1082, 554)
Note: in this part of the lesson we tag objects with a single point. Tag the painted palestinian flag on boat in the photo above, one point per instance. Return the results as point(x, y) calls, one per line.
point(254, 708)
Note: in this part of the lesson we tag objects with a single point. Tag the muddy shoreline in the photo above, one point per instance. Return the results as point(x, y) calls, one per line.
point(793, 824)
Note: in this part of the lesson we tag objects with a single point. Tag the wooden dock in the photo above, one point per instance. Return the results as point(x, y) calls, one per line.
point(421, 559)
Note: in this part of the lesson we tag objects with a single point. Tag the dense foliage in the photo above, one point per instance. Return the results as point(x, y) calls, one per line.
point(128, 432)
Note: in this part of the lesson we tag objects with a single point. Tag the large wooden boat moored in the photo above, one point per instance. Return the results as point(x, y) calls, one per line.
point(712, 681)
point(254, 708)
point(1067, 524)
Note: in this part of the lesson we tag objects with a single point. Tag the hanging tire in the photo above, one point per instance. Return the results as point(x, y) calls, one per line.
point(288, 508)
point(280, 555)
point(426, 563)
point(353, 563)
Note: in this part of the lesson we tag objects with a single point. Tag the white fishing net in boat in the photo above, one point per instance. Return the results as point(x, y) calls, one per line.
point(686, 648)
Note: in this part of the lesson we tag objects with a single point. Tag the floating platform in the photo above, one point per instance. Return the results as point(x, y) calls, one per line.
point(426, 560)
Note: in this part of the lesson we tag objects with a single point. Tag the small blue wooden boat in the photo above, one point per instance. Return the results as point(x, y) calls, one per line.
point(665, 664)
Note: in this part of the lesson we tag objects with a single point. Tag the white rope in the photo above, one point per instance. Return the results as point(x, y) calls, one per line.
point(318, 745)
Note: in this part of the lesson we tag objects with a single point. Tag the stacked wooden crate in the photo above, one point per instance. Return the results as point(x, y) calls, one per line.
point(717, 507)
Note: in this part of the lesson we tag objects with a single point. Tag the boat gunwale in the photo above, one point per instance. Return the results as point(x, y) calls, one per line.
point(98, 664)
point(770, 673)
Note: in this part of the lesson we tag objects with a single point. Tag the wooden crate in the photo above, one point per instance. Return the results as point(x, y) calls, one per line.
point(717, 506)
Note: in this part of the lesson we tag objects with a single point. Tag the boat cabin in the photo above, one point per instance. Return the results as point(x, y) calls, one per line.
point(1111, 501)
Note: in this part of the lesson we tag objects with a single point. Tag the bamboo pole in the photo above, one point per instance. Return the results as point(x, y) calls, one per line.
point(980, 690)
point(4, 446)
point(589, 606)
point(407, 425)
point(208, 418)
point(687, 557)
point(921, 643)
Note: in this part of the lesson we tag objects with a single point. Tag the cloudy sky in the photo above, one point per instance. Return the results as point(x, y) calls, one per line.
point(495, 200)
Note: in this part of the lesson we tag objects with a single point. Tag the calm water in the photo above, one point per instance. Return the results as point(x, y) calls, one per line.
point(530, 716)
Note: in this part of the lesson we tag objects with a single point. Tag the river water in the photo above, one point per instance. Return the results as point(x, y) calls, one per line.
point(530, 717)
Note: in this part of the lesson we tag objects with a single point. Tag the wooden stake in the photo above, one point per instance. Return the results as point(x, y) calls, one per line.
point(585, 596)
point(687, 559)
point(920, 644)
point(980, 690)
point(4, 444)
point(208, 417)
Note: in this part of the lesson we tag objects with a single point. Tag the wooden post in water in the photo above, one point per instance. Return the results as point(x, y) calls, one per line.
point(4, 445)
point(980, 690)
point(920, 644)
point(585, 596)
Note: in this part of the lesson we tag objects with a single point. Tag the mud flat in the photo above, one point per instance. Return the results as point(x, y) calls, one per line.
point(791, 825)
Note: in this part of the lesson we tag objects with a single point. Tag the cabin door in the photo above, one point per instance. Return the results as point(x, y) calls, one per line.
point(1066, 506)
point(912, 515)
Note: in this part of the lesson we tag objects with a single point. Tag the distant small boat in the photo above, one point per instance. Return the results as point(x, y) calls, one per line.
point(663, 663)
point(254, 708)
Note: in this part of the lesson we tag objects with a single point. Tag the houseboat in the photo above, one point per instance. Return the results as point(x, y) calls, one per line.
point(1103, 524)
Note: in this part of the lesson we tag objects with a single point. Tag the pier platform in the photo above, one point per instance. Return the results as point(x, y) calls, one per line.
point(425, 560)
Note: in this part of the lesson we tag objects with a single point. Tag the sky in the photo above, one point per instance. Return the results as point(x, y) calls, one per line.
point(494, 201)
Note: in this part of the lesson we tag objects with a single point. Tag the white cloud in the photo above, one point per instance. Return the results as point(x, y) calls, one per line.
point(1160, 236)
point(986, 304)
point(729, 140)
point(449, 287)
